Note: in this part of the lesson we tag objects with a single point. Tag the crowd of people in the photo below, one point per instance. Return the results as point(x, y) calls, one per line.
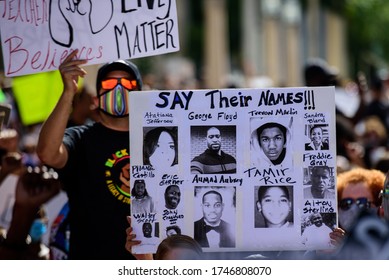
point(79, 143)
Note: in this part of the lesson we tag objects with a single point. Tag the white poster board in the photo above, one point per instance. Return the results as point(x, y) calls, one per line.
point(36, 36)
point(263, 174)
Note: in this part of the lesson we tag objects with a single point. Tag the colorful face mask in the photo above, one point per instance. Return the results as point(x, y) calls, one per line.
point(114, 102)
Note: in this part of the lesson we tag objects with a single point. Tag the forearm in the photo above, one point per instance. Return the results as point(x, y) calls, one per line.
point(22, 219)
point(15, 244)
point(50, 149)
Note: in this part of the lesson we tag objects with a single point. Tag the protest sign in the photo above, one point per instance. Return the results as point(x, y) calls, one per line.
point(37, 36)
point(37, 95)
point(237, 169)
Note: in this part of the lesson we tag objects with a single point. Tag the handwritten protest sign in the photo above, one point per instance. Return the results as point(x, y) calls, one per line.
point(36, 36)
point(237, 169)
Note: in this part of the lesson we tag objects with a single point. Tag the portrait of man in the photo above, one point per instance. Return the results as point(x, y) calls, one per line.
point(321, 187)
point(213, 160)
point(173, 230)
point(211, 230)
point(147, 229)
point(172, 196)
point(317, 233)
point(269, 142)
point(317, 139)
point(141, 201)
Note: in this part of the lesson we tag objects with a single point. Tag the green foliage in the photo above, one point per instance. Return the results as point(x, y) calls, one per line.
point(367, 21)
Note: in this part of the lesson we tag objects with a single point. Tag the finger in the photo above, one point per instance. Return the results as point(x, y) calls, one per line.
point(129, 230)
point(71, 56)
point(72, 70)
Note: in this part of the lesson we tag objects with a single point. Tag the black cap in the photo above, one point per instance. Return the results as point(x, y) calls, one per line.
point(119, 64)
point(318, 71)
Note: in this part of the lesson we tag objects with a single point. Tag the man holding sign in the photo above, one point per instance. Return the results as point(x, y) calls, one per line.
point(87, 158)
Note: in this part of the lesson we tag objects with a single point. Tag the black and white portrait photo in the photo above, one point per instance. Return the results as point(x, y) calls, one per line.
point(141, 200)
point(213, 150)
point(216, 210)
point(273, 206)
point(172, 196)
point(319, 182)
point(318, 136)
point(270, 141)
point(160, 148)
point(316, 228)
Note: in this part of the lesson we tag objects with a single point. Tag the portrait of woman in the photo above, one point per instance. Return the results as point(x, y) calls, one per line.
point(160, 148)
point(274, 207)
point(318, 141)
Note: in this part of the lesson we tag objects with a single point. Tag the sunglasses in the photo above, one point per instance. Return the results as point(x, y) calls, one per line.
point(111, 83)
point(361, 202)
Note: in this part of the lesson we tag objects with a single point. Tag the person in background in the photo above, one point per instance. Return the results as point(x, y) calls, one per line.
point(87, 155)
point(358, 189)
point(179, 247)
point(213, 160)
point(34, 187)
point(37, 250)
point(11, 157)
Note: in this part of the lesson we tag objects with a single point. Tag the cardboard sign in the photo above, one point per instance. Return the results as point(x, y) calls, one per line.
point(237, 169)
point(36, 36)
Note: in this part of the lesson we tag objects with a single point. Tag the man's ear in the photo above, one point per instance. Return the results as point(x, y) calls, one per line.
point(259, 207)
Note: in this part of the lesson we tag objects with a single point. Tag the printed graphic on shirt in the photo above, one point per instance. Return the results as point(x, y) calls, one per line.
point(117, 175)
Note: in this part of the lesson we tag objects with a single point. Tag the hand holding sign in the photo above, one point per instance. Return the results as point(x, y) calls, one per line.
point(70, 71)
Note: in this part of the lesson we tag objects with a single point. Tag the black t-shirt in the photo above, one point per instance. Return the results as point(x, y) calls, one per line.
point(99, 201)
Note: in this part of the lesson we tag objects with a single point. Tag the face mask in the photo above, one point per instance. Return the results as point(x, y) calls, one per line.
point(114, 102)
point(38, 229)
point(348, 217)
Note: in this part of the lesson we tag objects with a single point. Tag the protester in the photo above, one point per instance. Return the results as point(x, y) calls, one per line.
point(211, 230)
point(34, 187)
point(87, 155)
point(358, 189)
point(179, 247)
point(213, 160)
